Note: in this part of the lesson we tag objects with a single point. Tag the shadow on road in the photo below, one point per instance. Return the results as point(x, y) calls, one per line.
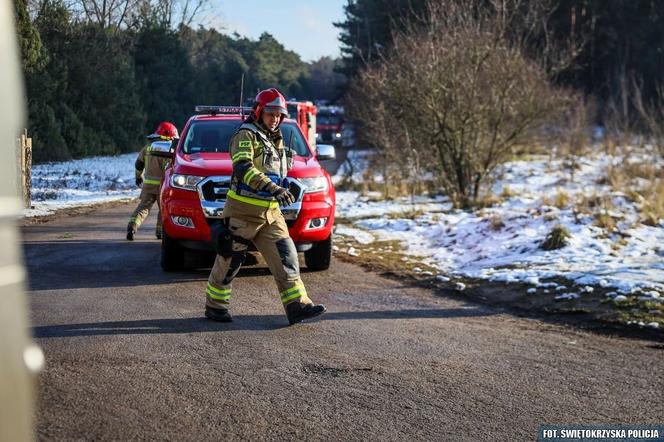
point(73, 264)
point(241, 322)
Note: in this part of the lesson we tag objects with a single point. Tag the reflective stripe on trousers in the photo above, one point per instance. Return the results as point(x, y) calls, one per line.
point(275, 244)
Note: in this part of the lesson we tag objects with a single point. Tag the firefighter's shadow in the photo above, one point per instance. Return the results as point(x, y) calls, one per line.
point(241, 322)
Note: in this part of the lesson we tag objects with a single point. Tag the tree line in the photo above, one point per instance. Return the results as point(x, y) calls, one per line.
point(619, 43)
point(101, 75)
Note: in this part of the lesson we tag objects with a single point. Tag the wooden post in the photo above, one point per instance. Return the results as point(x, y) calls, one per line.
point(25, 158)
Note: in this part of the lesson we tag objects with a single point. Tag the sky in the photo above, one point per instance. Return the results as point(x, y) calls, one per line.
point(304, 27)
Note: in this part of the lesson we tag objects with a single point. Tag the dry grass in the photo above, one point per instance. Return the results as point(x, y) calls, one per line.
point(407, 214)
point(489, 200)
point(605, 221)
point(507, 193)
point(496, 222)
point(557, 238)
point(642, 183)
point(598, 206)
point(647, 170)
point(652, 208)
point(561, 200)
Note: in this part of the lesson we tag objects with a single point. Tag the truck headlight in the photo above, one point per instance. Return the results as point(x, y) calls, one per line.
point(314, 184)
point(338, 135)
point(186, 182)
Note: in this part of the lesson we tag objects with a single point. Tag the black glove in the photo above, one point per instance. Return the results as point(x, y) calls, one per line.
point(139, 181)
point(283, 196)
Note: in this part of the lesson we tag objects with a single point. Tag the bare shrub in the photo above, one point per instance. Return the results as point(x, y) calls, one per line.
point(630, 116)
point(575, 136)
point(369, 103)
point(457, 95)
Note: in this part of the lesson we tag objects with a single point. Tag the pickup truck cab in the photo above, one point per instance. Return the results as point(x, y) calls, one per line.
point(195, 184)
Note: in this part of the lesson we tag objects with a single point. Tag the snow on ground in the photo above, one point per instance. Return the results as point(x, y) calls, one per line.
point(81, 182)
point(499, 243)
point(354, 168)
point(502, 243)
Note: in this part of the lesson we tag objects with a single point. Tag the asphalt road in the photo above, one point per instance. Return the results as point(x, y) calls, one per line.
point(130, 357)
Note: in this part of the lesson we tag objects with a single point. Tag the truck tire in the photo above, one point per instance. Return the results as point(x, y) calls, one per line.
point(172, 254)
point(319, 256)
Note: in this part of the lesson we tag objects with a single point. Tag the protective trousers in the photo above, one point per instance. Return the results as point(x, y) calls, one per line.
point(275, 244)
point(147, 200)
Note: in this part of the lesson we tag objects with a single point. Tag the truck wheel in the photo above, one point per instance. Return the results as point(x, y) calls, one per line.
point(172, 254)
point(319, 256)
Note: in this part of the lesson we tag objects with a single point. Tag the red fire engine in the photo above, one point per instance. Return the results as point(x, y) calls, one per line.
point(304, 113)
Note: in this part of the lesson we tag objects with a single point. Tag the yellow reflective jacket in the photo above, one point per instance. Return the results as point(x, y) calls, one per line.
point(258, 160)
point(151, 169)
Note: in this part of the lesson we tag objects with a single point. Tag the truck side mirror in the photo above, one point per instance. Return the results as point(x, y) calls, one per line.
point(325, 152)
point(163, 149)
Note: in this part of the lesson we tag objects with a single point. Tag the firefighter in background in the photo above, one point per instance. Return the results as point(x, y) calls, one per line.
point(252, 214)
point(149, 173)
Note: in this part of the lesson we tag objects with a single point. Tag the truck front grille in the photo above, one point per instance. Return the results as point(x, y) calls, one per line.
point(215, 188)
point(213, 191)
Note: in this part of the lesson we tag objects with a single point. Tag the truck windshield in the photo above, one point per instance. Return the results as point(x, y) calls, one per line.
point(215, 136)
point(328, 119)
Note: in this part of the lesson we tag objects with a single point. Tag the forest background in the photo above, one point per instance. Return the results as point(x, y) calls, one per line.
point(100, 74)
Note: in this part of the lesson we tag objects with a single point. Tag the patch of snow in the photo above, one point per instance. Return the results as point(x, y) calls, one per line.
point(465, 243)
point(352, 251)
point(568, 296)
point(361, 236)
point(81, 182)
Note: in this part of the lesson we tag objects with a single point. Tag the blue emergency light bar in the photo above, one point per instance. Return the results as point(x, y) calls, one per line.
point(213, 110)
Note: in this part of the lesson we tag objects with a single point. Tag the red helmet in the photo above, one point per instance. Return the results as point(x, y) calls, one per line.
point(165, 130)
point(270, 100)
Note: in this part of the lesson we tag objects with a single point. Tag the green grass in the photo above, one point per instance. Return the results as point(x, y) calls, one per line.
point(633, 309)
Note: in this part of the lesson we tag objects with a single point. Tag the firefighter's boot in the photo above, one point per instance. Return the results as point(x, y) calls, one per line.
point(297, 312)
point(218, 314)
point(131, 231)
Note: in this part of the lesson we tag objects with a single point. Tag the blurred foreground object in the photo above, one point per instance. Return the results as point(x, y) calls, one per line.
point(20, 359)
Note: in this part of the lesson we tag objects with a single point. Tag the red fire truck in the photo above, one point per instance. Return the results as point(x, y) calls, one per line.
point(304, 112)
point(330, 124)
point(195, 185)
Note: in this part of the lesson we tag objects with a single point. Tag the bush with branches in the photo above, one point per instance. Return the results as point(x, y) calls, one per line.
point(455, 95)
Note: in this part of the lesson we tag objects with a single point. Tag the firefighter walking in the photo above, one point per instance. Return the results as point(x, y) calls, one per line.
point(149, 173)
point(252, 215)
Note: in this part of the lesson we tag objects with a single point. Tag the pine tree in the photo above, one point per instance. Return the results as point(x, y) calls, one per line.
point(33, 55)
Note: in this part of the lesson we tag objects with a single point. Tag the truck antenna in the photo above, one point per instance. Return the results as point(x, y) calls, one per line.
point(241, 95)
